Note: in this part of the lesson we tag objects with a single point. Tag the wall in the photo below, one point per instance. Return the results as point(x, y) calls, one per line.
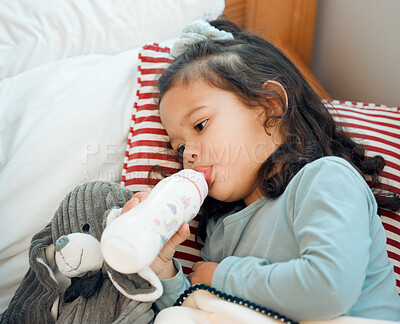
point(356, 52)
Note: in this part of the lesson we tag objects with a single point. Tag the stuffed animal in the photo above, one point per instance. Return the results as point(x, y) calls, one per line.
point(68, 280)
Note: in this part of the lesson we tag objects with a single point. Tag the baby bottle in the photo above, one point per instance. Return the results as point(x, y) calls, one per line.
point(133, 240)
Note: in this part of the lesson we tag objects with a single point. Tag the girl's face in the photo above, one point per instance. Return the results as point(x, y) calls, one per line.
point(215, 133)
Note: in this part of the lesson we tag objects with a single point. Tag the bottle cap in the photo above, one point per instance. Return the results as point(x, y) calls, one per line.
point(198, 180)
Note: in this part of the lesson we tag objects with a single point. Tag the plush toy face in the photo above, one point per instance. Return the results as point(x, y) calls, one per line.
point(77, 254)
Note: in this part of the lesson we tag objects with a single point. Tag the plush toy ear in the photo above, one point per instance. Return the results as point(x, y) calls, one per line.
point(115, 200)
point(117, 197)
point(143, 286)
point(36, 299)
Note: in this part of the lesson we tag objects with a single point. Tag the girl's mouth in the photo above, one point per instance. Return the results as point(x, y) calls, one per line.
point(207, 170)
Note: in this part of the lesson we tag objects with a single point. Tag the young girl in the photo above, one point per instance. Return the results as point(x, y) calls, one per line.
point(290, 222)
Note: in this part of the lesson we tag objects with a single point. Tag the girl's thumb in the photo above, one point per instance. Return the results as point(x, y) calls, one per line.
point(180, 236)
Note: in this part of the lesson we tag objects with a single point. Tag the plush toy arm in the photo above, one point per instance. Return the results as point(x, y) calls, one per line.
point(85, 286)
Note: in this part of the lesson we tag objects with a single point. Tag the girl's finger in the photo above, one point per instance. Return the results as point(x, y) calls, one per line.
point(179, 237)
point(134, 201)
point(142, 195)
point(168, 251)
point(196, 265)
point(163, 265)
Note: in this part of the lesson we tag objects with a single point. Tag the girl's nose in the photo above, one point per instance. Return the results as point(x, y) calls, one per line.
point(190, 154)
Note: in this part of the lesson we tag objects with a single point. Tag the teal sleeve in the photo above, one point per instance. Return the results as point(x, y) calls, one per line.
point(328, 206)
point(172, 288)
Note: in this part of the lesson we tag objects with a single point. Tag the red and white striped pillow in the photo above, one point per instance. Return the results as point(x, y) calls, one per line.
point(148, 143)
point(377, 127)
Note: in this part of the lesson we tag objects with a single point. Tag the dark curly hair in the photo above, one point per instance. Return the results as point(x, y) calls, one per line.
point(308, 131)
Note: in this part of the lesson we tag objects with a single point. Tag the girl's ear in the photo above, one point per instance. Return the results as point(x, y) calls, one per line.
point(278, 88)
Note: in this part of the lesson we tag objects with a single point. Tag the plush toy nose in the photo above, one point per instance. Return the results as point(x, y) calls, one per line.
point(61, 242)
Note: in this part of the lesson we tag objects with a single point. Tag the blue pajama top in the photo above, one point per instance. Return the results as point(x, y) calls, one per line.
point(318, 251)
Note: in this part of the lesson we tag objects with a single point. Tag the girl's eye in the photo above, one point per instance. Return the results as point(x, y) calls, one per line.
point(180, 151)
point(200, 126)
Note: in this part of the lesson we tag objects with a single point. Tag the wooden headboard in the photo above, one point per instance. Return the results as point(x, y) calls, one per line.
point(289, 24)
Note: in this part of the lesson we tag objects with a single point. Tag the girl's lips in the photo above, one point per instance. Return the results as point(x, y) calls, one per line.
point(207, 173)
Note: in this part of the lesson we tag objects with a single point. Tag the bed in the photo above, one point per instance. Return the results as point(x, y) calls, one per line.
point(72, 91)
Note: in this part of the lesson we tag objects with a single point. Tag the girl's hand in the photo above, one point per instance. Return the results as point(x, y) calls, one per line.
point(203, 273)
point(135, 200)
point(163, 266)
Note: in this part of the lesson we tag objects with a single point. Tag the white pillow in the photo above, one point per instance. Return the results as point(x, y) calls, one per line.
point(37, 32)
point(61, 124)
